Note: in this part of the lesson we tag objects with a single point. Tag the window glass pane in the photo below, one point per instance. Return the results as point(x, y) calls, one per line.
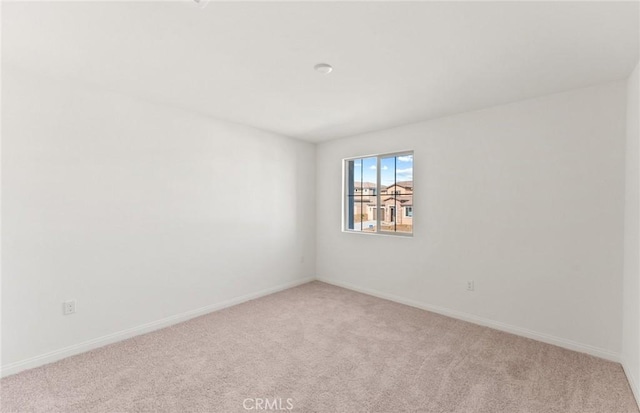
point(387, 172)
point(394, 206)
point(404, 182)
point(404, 221)
point(369, 177)
point(357, 174)
point(361, 189)
point(353, 203)
point(369, 223)
point(396, 176)
point(404, 170)
point(368, 191)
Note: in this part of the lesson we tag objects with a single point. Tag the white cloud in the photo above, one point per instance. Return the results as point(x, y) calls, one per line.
point(405, 174)
point(384, 167)
point(407, 158)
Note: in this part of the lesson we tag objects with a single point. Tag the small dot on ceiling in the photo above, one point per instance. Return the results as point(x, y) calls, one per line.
point(324, 68)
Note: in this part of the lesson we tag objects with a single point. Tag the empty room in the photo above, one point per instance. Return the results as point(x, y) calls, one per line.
point(208, 206)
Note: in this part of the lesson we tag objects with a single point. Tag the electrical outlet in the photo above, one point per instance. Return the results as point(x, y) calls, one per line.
point(69, 307)
point(470, 286)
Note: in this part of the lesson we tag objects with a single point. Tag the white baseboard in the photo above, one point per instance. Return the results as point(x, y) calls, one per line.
point(85, 346)
point(497, 325)
point(632, 382)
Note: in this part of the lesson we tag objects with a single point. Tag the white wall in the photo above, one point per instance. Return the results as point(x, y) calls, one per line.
point(139, 212)
point(526, 199)
point(631, 283)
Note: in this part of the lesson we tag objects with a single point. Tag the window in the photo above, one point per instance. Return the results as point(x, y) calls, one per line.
point(379, 194)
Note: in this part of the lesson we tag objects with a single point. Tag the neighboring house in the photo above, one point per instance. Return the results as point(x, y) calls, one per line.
point(399, 188)
point(397, 209)
point(397, 200)
point(396, 203)
point(365, 201)
point(364, 188)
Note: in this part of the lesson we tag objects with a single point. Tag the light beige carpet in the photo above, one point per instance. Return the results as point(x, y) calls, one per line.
point(326, 349)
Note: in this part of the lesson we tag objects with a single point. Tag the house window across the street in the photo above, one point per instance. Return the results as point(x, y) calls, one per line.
point(378, 195)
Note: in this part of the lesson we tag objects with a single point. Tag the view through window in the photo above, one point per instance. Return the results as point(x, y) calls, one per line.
point(379, 194)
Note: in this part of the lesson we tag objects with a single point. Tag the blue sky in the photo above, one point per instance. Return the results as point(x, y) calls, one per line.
point(404, 171)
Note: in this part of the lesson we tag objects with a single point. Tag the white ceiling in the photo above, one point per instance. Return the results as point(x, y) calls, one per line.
point(395, 63)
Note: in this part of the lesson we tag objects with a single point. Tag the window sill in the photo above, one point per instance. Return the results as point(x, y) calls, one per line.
point(383, 234)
